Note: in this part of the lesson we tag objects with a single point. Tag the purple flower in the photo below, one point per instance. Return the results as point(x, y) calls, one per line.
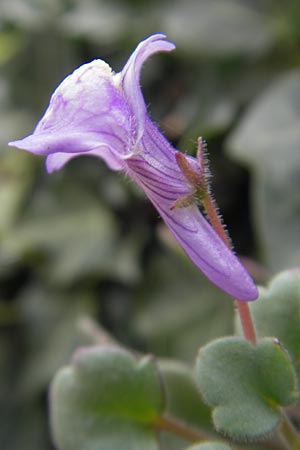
point(97, 112)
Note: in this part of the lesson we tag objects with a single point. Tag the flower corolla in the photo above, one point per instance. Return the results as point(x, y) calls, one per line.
point(95, 111)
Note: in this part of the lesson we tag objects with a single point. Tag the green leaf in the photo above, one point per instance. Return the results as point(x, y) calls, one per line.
point(178, 308)
point(97, 22)
point(50, 320)
point(218, 28)
point(15, 182)
point(106, 400)
point(10, 43)
point(29, 15)
point(82, 242)
point(277, 312)
point(183, 401)
point(246, 385)
point(209, 446)
point(268, 139)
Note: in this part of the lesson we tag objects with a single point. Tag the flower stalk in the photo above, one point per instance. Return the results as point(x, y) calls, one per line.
point(180, 429)
point(242, 307)
point(288, 434)
point(216, 223)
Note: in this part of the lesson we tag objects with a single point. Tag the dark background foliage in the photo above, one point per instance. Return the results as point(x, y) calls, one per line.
point(82, 250)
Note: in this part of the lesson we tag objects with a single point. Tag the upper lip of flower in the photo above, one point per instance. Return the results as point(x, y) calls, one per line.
point(97, 112)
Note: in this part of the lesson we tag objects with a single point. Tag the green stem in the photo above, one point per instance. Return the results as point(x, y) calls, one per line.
point(288, 434)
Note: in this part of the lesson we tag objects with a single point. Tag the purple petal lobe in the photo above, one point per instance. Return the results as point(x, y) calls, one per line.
point(86, 114)
point(87, 101)
point(57, 160)
point(130, 76)
point(74, 144)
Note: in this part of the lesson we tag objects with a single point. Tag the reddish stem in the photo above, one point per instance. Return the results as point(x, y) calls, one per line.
point(246, 321)
point(242, 307)
point(180, 429)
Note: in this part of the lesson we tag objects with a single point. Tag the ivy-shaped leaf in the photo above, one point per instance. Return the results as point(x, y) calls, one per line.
point(106, 400)
point(246, 385)
point(277, 312)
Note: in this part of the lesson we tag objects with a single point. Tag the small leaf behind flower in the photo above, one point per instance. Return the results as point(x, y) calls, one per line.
point(277, 312)
point(106, 399)
point(267, 139)
point(183, 401)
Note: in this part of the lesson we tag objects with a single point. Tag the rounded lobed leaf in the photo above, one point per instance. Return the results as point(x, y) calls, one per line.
point(105, 400)
point(245, 385)
point(183, 401)
point(277, 312)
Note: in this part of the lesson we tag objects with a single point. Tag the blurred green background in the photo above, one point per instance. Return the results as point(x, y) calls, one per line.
point(82, 250)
